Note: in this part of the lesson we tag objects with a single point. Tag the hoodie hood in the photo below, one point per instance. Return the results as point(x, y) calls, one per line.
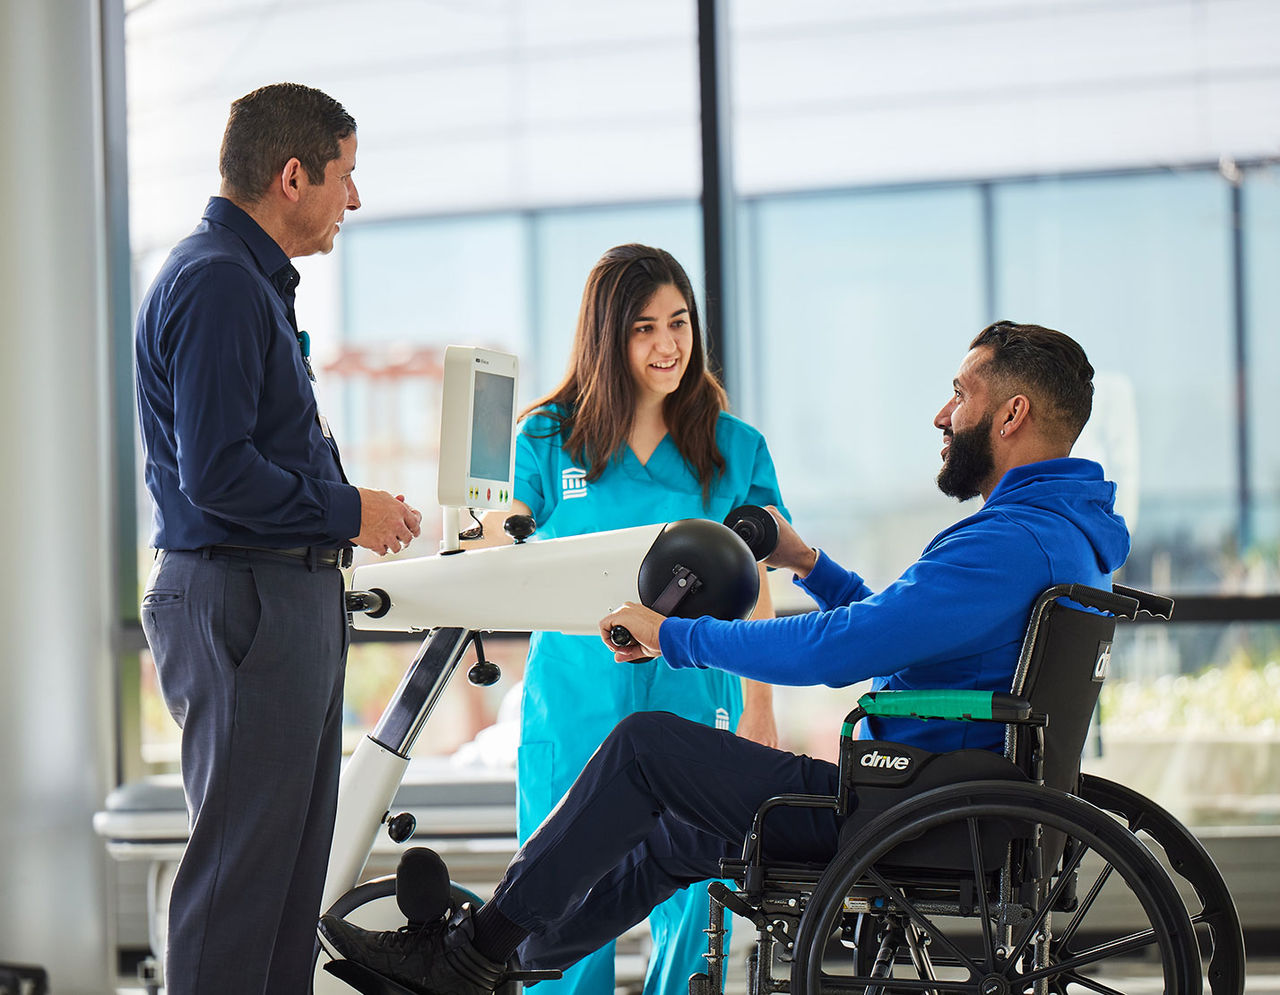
point(1074, 490)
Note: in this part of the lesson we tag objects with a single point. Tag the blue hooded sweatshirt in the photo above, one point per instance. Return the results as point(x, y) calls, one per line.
point(954, 619)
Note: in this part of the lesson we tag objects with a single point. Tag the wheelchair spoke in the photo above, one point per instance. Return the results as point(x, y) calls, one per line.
point(1034, 927)
point(917, 862)
point(988, 942)
point(924, 923)
point(859, 986)
point(1114, 948)
point(1086, 904)
point(1072, 978)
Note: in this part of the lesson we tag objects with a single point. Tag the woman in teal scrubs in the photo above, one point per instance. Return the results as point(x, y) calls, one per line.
point(635, 434)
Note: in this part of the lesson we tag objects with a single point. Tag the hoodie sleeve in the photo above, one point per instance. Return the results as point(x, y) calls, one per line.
point(972, 587)
point(831, 585)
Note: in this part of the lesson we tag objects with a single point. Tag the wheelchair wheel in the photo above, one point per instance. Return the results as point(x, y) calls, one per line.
point(372, 905)
point(1211, 908)
point(990, 925)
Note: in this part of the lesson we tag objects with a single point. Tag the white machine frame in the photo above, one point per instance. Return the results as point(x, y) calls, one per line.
point(564, 585)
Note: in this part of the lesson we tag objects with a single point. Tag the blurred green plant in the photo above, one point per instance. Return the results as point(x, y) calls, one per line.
point(1241, 696)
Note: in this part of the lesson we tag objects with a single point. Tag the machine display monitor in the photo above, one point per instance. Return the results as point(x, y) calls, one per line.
point(493, 404)
point(477, 429)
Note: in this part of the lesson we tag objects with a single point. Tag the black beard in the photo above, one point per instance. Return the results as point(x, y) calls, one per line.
point(970, 462)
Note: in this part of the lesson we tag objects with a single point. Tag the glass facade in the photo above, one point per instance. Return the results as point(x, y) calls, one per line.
point(885, 217)
point(1260, 239)
point(1138, 269)
point(861, 304)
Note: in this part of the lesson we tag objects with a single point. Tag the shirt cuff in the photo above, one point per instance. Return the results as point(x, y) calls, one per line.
point(343, 519)
point(825, 572)
point(674, 636)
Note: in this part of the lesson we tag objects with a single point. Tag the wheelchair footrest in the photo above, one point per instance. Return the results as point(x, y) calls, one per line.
point(732, 901)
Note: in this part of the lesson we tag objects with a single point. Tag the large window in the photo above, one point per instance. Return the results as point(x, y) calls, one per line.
point(1260, 237)
point(860, 304)
point(907, 174)
point(1138, 269)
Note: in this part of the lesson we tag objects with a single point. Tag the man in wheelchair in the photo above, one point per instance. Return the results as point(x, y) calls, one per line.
point(664, 800)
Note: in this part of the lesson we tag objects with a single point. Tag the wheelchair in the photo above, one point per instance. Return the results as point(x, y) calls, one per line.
point(971, 872)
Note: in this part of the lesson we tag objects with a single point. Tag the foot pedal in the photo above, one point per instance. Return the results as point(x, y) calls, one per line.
point(365, 981)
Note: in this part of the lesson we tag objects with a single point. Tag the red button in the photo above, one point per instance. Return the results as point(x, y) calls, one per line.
point(488, 493)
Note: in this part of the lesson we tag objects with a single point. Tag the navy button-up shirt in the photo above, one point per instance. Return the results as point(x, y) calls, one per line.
point(234, 449)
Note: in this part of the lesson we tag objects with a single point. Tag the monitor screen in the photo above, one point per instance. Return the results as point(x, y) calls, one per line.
point(493, 404)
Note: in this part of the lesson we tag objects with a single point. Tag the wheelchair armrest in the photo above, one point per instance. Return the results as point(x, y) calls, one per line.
point(963, 706)
point(960, 706)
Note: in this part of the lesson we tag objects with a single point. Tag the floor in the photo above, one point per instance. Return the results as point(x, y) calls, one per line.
point(1264, 979)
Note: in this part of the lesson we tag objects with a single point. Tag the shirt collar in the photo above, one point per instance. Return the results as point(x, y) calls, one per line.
point(264, 249)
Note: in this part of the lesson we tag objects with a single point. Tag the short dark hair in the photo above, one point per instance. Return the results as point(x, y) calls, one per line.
point(274, 124)
point(1046, 365)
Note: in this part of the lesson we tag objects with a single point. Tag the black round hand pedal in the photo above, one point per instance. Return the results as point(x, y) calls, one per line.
point(621, 637)
point(756, 527)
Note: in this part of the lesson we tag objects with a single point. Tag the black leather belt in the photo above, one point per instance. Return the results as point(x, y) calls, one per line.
point(314, 556)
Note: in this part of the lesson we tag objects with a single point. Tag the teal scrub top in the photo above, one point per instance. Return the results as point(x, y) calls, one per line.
point(628, 493)
point(574, 691)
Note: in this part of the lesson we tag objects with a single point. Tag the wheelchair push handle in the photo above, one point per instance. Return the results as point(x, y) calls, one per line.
point(1112, 602)
point(1155, 605)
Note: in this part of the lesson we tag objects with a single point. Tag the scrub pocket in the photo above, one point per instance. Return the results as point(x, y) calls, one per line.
point(536, 795)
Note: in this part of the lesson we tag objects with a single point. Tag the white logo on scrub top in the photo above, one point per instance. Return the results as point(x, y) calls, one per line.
point(722, 718)
point(573, 483)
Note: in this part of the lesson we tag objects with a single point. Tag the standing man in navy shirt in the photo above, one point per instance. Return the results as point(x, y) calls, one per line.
point(253, 516)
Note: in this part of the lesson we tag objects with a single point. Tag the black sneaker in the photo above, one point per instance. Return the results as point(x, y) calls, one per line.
point(438, 959)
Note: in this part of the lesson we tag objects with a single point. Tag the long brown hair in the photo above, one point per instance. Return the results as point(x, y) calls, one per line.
point(596, 400)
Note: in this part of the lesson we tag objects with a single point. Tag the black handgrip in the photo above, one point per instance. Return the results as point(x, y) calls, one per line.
point(373, 603)
point(756, 527)
point(622, 638)
point(1155, 605)
point(1115, 602)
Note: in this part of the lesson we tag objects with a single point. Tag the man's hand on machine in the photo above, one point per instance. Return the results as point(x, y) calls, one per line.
point(387, 522)
point(643, 624)
point(791, 553)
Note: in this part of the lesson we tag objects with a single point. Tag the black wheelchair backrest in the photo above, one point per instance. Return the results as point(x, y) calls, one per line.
point(1065, 657)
